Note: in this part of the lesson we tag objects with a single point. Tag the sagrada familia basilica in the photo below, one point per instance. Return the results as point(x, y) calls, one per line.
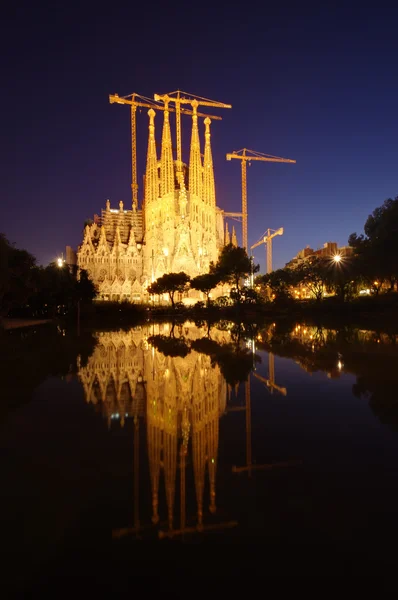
point(178, 227)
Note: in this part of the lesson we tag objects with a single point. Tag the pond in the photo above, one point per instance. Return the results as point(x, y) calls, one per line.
point(151, 450)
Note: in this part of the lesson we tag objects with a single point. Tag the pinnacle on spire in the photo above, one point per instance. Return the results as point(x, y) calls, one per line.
point(118, 240)
point(151, 174)
point(227, 239)
point(209, 194)
point(131, 241)
point(195, 162)
point(234, 239)
point(166, 160)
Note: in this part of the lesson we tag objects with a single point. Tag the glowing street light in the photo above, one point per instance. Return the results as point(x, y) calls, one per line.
point(60, 262)
point(337, 258)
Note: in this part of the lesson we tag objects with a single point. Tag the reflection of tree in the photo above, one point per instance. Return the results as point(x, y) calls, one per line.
point(377, 381)
point(170, 346)
point(38, 353)
point(370, 355)
point(235, 363)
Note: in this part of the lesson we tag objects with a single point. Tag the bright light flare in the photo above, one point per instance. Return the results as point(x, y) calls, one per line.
point(60, 262)
point(337, 258)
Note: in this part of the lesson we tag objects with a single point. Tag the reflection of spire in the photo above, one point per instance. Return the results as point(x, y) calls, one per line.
point(166, 160)
point(170, 458)
point(199, 453)
point(212, 451)
point(209, 194)
point(154, 435)
point(151, 174)
point(195, 162)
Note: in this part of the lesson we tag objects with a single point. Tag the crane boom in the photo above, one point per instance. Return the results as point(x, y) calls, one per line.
point(245, 155)
point(264, 159)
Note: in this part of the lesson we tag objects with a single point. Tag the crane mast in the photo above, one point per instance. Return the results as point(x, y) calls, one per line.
point(245, 156)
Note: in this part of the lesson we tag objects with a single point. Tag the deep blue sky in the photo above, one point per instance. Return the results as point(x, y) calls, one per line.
point(306, 80)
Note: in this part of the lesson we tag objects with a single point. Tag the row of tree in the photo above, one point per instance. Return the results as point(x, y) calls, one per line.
point(233, 268)
point(374, 264)
point(38, 291)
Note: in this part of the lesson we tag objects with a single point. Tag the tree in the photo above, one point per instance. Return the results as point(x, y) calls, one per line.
point(313, 274)
point(170, 283)
point(85, 288)
point(205, 283)
point(233, 267)
point(379, 246)
point(341, 278)
point(279, 282)
point(17, 269)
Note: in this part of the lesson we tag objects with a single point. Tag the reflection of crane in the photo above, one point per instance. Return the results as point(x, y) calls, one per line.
point(267, 240)
point(270, 382)
point(194, 101)
point(249, 467)
point(244, 158)
point(143, 102)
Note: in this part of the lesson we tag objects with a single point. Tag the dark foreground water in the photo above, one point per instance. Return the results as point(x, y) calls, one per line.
point(193, 451)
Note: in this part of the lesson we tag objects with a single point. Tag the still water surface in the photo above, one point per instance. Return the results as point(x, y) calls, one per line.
point(158, 441)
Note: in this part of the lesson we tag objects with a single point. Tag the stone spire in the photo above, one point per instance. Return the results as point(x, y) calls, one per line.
point(195, 162)
point(151, 174)
point(166, 160)
point(209, 194)
point(227, 239)
point(234, 239)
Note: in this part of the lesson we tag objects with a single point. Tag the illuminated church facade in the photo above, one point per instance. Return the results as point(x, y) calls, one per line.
point(178, 228)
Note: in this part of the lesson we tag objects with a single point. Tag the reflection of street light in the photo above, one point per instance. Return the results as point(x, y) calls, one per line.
point(337, 258)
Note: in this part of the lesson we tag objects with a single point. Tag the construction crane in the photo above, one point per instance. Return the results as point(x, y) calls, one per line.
point(266, 239)
point(179, 100)
point(136, 101)
point(245, 158)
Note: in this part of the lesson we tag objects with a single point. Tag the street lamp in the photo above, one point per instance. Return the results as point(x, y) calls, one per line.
point(337, 258)
point(60, 262)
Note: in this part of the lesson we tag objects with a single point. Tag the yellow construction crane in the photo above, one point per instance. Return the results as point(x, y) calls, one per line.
point(245, 158)
point(267, 240)
point(136, 101)
point(194, 101)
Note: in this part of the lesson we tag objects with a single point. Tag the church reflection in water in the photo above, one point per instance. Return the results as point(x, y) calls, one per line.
point(178, 398)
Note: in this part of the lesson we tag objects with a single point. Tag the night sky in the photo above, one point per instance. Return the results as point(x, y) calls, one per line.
point(307, 81)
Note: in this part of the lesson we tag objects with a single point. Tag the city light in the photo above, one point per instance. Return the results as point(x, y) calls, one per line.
point(337, 258)
point(60, 262)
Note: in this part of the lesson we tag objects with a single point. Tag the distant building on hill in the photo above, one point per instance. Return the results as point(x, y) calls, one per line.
point(328, 250)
